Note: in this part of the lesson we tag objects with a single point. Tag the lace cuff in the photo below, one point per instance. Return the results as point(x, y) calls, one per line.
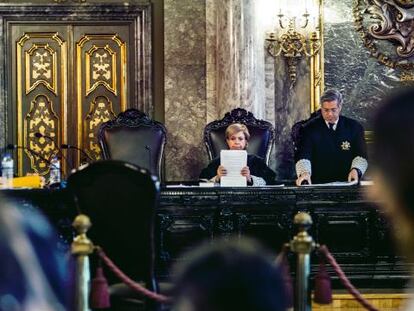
point(303, 166)
point(360, 163)
point(258, 181)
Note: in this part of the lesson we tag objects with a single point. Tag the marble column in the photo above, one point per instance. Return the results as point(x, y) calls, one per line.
point(185, 87)
point(235, 64)
point(290, 105)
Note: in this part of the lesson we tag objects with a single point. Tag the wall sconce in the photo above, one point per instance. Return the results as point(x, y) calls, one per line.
point(295, 36)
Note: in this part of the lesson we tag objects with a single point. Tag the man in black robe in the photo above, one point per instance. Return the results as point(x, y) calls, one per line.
point(332, 147)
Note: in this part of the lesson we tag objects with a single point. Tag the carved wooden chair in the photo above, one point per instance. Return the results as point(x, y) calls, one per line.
point(135, 138)
point(262, 134)
point(120, 199)
point(297, 131)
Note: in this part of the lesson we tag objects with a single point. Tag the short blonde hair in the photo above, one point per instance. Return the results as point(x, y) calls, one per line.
point(235, 128)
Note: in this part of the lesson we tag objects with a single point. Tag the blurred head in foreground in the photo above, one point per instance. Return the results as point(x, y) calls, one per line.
point(33, 274)
point(229, 275)
point(394, 165)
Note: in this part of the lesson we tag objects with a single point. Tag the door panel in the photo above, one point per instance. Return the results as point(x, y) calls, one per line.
point(101, 80)
point(41, 93)
point(67, 80)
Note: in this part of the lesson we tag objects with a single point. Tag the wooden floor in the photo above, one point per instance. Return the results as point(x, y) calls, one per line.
point(381, 301)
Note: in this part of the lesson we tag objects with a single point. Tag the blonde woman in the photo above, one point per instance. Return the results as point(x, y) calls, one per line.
point(256, 172)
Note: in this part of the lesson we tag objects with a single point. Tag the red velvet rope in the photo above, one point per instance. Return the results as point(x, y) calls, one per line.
point(345, 281)
point(132, 284)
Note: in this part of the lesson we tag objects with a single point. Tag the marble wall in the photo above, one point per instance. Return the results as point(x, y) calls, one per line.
point(348, 66)
point(185, 87)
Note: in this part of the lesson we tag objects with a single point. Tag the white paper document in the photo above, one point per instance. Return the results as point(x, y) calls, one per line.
point(334, 184)
point(206, 184)
point(233, 161)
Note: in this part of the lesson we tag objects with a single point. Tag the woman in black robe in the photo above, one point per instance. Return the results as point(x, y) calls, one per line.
point(256, 172)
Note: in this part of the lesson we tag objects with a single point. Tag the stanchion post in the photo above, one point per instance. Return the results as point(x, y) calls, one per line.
point(81, 248)
point(302, 244)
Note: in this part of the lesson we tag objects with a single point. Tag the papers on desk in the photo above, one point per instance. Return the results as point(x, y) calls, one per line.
point(206, 184)
point(233, 161)
point(367, 182)
point(334, 184)
point(274, 186)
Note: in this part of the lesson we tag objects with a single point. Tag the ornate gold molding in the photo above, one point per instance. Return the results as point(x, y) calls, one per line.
point(100, 111)
point(24, 132)
point(103, 70)
point(100, 72)
point(41, 69)
point(393, 26)
point(316, 65)
point(43, 119)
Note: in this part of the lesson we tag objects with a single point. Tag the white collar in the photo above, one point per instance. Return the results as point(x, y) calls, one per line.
point(334, 126)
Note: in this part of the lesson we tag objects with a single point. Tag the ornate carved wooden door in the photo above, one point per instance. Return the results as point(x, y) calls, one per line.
point(69, 79)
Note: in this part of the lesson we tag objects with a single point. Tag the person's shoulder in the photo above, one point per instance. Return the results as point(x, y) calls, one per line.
point(352, 123)
point(314, 125)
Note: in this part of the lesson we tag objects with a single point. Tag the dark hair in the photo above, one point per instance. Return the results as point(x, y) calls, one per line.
point(331, 95)
point(231, 275)
point(394, 144)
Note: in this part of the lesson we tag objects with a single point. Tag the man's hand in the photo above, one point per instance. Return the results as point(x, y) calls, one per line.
point(246, 173)
point(353, 175)
point(301, 178)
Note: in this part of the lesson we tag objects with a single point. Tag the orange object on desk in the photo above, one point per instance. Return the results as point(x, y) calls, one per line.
point(34, 181)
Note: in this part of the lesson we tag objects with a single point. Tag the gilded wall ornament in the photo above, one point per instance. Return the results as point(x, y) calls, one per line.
point(41, 118)
point(100, 63)
point(100, 111)
point(41, 67)
point(387, 30)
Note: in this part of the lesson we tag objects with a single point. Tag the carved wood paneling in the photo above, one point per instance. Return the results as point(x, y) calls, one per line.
point(342, 219)
point(101, 82)
point(65, 69)
point(41, 86)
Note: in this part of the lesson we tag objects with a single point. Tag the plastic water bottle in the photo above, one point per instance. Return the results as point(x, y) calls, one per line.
point(54, 177)
point(7, 170)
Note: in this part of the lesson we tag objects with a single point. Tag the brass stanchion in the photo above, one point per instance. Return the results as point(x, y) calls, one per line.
point(302, 244)
point(82, 247)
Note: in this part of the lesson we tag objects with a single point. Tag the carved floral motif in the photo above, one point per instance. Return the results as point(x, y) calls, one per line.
point(100, 111)
point(395, 24)
point(389, 22)
point(41, 119)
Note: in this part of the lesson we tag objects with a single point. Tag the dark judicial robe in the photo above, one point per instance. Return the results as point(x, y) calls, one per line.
point(331, 152)
point(256, 165)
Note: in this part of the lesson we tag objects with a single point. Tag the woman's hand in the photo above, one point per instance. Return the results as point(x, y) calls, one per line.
point(246, 173)
point(221, 171)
